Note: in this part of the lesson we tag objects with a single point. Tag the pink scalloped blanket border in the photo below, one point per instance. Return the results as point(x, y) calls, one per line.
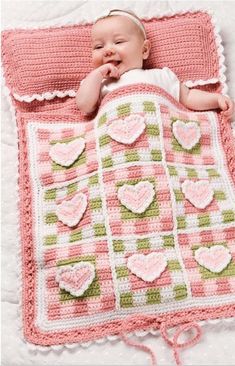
point(29, 267)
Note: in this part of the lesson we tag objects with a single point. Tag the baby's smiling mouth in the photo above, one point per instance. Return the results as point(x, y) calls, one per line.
point(113, 62)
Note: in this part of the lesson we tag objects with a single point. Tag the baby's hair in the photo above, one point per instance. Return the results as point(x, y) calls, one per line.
point(128, 14)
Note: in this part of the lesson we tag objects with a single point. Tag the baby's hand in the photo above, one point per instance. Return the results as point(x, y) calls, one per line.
point(226, 105)
point(109, 71)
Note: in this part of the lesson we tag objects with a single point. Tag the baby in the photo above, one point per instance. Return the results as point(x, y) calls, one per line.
point(119, 47)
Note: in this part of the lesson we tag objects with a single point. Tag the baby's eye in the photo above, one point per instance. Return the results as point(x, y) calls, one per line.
point(98, 47)
point(119, 41)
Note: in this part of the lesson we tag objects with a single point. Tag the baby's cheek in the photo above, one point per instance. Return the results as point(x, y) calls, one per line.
point(96, 61)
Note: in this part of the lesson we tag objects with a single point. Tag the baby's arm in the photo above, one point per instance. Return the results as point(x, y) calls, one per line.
point(200, 100)
point(89, 92)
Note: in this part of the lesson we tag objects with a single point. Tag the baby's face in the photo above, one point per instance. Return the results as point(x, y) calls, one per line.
point(119, 41)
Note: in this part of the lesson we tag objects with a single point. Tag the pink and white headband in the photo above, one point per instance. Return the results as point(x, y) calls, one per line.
point(130, 16)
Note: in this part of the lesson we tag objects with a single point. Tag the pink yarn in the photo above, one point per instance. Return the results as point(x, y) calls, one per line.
point(91, 332)
point(175, 344)
point(228, 143)
point(140, 346)
point(189, 49)
point(44, 78)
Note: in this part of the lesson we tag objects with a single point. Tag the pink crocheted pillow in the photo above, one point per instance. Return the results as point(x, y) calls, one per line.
point(53, 61)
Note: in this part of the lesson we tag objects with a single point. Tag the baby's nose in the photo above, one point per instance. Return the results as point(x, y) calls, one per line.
point(108, 51)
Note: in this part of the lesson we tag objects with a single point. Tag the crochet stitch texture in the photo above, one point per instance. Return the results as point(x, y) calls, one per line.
point(114, 238)
point(109, 233)
point(61, 56)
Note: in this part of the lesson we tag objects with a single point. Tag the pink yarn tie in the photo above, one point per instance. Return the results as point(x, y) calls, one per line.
point(175, 344)
point(140, 346)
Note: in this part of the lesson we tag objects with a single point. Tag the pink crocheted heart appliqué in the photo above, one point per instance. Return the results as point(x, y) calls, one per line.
point(147, 267)
point(138, 197)
point(199, 193)
point(65, 154)
point(215, 259)
point(76, 279)
point(71, 211)
point(187, 134)
point(127, 130)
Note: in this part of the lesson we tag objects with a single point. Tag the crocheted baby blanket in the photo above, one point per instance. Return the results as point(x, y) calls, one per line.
point(127, 220)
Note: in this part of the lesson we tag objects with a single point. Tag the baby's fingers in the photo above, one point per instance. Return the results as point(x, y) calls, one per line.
point(229, 110)
point(224, 104)
point(114, 73)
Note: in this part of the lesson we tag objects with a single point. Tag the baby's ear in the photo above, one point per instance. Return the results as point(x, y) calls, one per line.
point(146, 49)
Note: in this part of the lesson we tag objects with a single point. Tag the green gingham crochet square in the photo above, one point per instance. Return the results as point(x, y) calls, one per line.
point(219, 211)
point(147, 146)
point(94, 288)
point(93, 224)
point(79, 161)
point(133, 291)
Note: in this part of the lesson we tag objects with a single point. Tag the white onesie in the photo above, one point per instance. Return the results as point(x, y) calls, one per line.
point(164, 78)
